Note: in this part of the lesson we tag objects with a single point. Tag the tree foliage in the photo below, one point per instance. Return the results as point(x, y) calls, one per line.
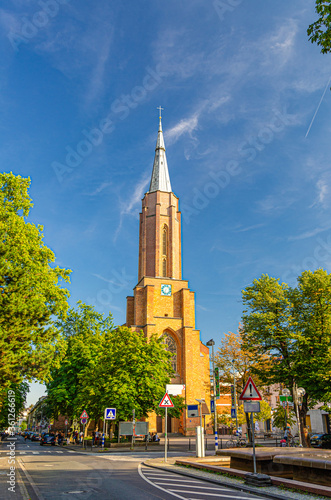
point(278, 417)
point(13, 403)
point(30, 293)
point(293, 327)
point(320, 31)
point(107, 366)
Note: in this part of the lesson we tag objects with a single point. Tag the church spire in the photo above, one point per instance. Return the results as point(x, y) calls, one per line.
point(160, 177)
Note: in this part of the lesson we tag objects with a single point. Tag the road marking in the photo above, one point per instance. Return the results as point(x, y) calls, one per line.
point(237, 497)
point(201, 487)
point(22, 487)
point(59, 452)
point(35, 453)
point(31, 481)
point(155, 486)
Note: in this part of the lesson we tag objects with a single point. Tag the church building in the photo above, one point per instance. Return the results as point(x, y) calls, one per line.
point(163, 303)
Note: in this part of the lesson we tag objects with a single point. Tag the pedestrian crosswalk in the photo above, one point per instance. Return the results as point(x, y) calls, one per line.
point(185, 487)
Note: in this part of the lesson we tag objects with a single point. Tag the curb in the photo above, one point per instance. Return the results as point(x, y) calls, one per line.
point(247, 489)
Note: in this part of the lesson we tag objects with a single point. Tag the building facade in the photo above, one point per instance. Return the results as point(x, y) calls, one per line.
point(163, 303)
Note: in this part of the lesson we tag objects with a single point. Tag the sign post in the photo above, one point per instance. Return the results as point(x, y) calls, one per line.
point(66, 424)
point(251, 393)
point(166, 403)
point(110, 414)
point(83, 418)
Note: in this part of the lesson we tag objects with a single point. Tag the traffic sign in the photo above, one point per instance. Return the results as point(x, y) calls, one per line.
point(83, 420)
point(250, 392)
point(192, 411)
point(110, 413)
point(84, 414)
point(66, 422)
point(233, 413)
point(166, 402)
point(212, 406)
point(252, 407)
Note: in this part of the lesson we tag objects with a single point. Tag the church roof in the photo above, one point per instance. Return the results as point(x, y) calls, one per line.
point(160, 177)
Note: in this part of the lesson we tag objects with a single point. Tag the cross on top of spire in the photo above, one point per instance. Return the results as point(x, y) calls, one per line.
point(160, 176)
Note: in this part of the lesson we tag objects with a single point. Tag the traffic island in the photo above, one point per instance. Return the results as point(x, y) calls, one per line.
point(309, 467)
point(242, 459)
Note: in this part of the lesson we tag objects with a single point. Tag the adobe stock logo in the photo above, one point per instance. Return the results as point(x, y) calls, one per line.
point(30, 27)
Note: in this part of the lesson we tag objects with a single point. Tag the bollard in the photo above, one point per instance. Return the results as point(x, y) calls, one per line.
point(189, 444)
point(221, 444)
point(168, 444)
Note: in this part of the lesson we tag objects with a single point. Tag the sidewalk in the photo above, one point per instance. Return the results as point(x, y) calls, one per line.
point(272, 492)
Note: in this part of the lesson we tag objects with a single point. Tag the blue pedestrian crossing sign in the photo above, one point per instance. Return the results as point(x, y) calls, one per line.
point(110, 413)
point(233, 413)
point(212, 406)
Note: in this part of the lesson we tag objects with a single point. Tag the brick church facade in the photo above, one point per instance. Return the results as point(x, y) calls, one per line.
point(163, 303)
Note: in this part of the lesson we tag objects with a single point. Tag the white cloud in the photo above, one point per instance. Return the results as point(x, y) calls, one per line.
point(309, 234)
point(185, 126)
point(322, 190)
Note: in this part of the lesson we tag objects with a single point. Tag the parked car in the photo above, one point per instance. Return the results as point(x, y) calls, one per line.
point(321, 441)
point(47, 439)
point(35, 437)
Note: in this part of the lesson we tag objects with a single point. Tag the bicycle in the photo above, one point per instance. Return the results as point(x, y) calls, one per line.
point(236, 442)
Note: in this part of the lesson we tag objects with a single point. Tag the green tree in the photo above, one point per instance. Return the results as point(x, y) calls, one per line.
point(320, 31)
point(30, 293)
point(83, 331)
point(13, 403)
point(278, 417)
point(234, 360)
point(131, 373)
point(105, 367)
point(293, 327)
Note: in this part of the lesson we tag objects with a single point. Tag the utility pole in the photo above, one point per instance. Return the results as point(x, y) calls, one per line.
point(211, 344)
point(235, 394)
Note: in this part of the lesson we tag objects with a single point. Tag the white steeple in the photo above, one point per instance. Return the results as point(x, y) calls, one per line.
point(160, 177)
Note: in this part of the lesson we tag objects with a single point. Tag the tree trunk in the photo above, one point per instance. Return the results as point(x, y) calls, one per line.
point(302, 415)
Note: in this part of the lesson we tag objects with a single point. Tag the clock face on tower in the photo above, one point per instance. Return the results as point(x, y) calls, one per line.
point(166, 290)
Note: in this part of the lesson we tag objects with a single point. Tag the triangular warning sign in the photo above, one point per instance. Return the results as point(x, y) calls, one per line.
point(84, 414)
point(166, 402)
point(250, 392)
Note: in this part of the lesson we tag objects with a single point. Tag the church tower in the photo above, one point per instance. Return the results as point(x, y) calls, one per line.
point(162, 303)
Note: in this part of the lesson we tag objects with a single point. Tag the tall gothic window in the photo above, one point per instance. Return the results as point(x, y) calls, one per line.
point(171, 346)
point(164, 250)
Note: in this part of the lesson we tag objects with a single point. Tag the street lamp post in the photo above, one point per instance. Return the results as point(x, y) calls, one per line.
point(211, 344)
point(235, 394)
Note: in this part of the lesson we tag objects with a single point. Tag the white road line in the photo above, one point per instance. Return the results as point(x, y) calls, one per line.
point(175, 480)
point(22, 487)
point(31, 481)
point(59, 452)
point(201, 487)
point(155, 486)
point(35, 453)
point(220, 495)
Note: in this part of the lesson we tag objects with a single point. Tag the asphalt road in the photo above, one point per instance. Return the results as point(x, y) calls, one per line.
point(54, 473)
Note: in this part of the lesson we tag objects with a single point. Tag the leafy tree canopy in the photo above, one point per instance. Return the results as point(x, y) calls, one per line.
point(107, 366)
point(320, 31)
point(30, 293)
point(13, 403)
point(293, 327)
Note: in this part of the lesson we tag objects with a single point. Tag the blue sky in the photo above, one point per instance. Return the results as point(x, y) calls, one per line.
point(246, 120)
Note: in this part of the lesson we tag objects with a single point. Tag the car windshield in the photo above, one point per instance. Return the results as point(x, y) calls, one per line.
point(316, 436)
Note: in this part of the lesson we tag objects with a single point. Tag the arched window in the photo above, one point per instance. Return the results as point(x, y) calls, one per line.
point(171, 346)
point(165, 240)
point(164, 250)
